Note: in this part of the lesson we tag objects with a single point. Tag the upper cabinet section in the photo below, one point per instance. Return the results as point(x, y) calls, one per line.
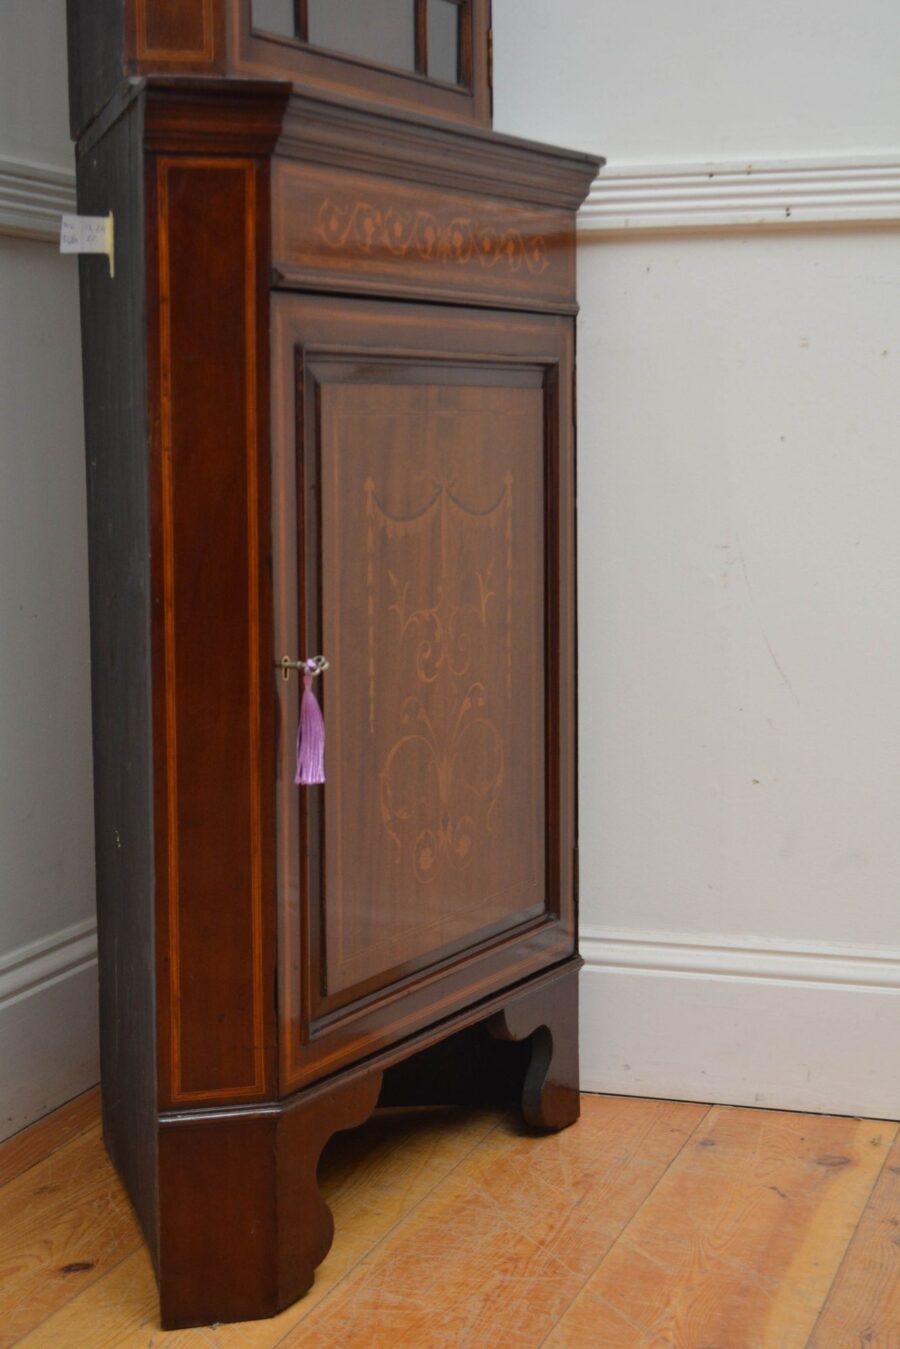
point(422, 56)
point(428, 56)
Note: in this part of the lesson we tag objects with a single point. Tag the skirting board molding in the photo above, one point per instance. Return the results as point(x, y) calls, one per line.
point(48, 1024)
point(32, 199)
point(651, 197)
point(861, 190)
point(739, 1022)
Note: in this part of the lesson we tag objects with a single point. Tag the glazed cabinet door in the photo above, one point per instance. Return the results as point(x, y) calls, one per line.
point(423, 543)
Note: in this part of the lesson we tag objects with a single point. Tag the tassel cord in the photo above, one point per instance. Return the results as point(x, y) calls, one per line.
point(310, 738)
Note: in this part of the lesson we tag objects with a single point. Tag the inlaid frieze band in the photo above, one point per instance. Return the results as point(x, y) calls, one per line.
point(370, 229)
point(359, 231)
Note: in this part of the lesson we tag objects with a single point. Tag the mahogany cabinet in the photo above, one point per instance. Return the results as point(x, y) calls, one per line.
point(329, 410)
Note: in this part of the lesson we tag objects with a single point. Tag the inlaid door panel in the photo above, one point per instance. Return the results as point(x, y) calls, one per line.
point(422, 545)
point(432, 559)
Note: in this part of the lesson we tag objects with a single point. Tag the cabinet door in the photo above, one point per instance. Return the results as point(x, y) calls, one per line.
point(424, 544)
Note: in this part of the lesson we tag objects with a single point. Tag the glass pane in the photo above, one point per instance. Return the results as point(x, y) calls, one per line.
point(383, 31)
point(443, 41)
point(273, 16)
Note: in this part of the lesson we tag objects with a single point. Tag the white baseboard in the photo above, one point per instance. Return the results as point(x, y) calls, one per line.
point(629, 198)
point(49, 1047)
point(741, 1022)
point(708, 1018)
point(33, 197)
point(859, 190)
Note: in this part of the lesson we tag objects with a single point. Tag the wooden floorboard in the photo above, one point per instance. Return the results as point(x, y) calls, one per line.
point(499, 1250)
point(24, 1149)
point(657, 1224)
point(863, 1307)
point(371, 1178)
point(741, 1241)
point(64, 1224)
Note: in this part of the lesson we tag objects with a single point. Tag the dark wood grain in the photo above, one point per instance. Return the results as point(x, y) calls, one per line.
point(179, 30)
point(432, 614)
point(214, 116)
point(96, 42)
point(218, 1184)
point(399, 935)
point(339, 230)
point(301, 19)
point(213, 881)
point(110, 177)
point(184, 36)
point(387, 142)
point(306, 1225)
point(321, 1033)
point(243, 1222)
point(213, 724)
point(352, 78)
point(549, 1019)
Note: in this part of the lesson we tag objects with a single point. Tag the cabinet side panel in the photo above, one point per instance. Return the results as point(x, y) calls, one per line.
point(110, 38)
point(213, 661)
point(179, 36)
point(109, 178)
point(96, 56)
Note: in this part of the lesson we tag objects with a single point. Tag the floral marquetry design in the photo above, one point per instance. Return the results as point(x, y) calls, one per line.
point(433, 480)
point(368, 229)
point(469, 762)
point(441, 779)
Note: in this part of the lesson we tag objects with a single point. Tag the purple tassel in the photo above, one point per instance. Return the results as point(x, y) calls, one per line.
point(310, 739)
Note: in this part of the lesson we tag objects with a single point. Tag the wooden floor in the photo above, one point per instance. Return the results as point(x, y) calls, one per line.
point(650, 1223)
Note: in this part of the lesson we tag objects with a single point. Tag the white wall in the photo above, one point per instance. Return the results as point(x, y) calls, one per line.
point(48, 1030)
point(739, 489)
point(651, 80)
point(34, 83)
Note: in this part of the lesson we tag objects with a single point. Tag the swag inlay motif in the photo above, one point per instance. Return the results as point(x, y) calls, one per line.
point(367, 229)
point(441, 779)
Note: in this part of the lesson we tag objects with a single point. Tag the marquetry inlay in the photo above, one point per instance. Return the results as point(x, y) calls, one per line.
point(449, 740)
point(369, 229)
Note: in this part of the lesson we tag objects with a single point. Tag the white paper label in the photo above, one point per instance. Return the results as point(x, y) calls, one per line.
point(88, 234)
point(85, 234)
